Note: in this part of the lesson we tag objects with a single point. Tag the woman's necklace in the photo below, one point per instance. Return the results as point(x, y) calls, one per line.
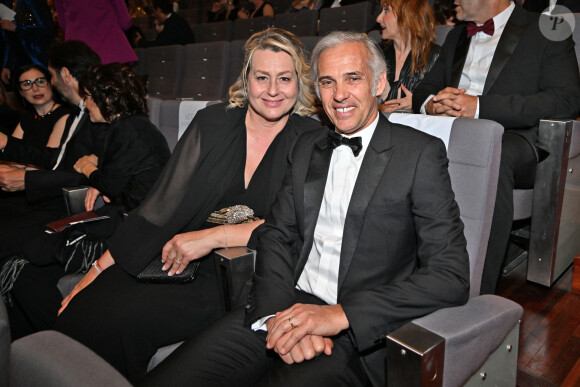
point(41, 116)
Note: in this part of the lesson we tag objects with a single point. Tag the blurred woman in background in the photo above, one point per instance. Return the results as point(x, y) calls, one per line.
point(408, 32)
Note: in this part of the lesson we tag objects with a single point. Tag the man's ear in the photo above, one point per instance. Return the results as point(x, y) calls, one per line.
point(65, 75)
point(381, 84)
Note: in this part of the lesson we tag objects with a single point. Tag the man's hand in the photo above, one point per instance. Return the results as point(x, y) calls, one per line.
point(308, 348)
point(287, 328)
point(452, 102)
point(11, 179)
point(86, 165)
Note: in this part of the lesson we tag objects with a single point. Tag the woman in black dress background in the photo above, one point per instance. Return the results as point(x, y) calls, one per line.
point(231, 154)
point(131, 157)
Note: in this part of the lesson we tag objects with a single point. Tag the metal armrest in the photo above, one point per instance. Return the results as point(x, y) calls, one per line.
point(235, 268)
point(553, 230)
point(457, 341)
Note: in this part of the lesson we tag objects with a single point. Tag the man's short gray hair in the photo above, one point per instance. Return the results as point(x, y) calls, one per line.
point(377, 62)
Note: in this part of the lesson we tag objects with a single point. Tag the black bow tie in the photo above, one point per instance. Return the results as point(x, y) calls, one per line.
point(336, 140)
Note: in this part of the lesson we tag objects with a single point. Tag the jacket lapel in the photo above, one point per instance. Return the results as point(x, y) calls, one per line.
point(372, 169)
point(313, 193)
point(510, 38)
point(459, 58)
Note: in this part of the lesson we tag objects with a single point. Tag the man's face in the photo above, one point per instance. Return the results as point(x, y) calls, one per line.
point(469, 10)
point(345, 83)
point(57, 82)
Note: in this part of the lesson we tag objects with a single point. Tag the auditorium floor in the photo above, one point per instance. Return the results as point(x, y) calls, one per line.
point(550, 330)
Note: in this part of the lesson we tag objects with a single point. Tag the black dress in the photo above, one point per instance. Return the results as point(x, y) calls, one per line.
point(126, 321)
point(411, 81)
point(37, 130)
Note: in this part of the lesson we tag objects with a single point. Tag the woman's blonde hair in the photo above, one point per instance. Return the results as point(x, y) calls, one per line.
point(276, 40)
point(417, 25)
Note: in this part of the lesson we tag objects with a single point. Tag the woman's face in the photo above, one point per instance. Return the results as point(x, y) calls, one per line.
point(35, 88)
point(272, 84)
point(388, 22)
point(94, 112)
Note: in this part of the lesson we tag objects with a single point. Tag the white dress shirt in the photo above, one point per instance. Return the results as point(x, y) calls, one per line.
point(479, 57)
point(320, 274)
point(72, 130)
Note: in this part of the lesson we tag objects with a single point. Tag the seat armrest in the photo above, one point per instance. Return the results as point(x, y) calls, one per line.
point(472, 332)
point(235, 268)
point(50, 358)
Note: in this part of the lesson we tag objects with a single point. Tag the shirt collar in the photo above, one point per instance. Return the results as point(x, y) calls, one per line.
point(501, 19)
point(366, 134)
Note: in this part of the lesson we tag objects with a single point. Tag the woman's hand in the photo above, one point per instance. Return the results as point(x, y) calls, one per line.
point(399, 103)
point(7, 25)
point(105, 261)
point(91, 198)
point(184, 248)
point(86, 165)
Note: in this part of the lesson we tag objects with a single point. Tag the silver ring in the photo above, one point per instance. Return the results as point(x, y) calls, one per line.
point(290, 321)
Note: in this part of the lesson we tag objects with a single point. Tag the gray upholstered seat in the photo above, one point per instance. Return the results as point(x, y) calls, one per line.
point(299, 23)
point(206, 73)
point(356, 17)
point(165, 69)
point(214, 32)
point(474, 332)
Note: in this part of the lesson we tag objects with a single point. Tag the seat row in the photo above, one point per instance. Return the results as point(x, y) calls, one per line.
point(200, 71)
point(204, 71)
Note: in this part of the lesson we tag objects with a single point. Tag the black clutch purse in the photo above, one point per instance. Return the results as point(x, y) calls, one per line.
point(154, 274)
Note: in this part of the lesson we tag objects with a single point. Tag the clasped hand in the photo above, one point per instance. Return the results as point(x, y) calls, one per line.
point(86, 164)
point(303, 331)
point(11, 179)
point(452, 102)
point(405, 103)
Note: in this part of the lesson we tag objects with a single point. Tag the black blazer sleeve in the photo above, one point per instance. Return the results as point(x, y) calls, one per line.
point(18, 151)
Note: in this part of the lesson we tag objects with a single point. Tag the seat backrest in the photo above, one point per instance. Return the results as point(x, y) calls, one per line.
point(356, 17)
point(206, 70)
point(244, 28)
point(192, 15)
point(309, 42)
point(4, 345)
point(474, 152)
point(154, 106)
point(299, 23)
point(214, 32)
point(441, 32)
point(141, 67)
point(165, 69)
point(236, 59)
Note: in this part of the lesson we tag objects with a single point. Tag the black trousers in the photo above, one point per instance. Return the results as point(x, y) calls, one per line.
point(517, 170)
point(125, 321)
point(229, 354)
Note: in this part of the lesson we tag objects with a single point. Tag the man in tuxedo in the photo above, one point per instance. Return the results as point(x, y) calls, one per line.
point(43, 201)
point(501, 67)
point(362, 239)
point(176, 30)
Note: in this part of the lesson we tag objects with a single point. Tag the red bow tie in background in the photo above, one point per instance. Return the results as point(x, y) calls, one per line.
point(486, 28)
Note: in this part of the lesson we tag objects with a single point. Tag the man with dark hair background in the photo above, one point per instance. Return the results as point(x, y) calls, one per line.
point(176, 30)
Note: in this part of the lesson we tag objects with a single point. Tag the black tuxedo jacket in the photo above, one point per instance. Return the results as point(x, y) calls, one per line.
point(530, 77)
point(176, 30)
point(46, 183)
point(403, 252)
